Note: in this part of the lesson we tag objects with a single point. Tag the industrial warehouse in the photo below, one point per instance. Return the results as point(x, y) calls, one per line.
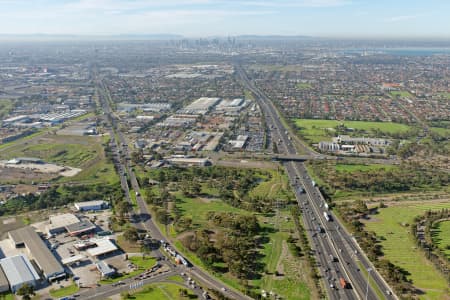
point(50, 252)
point(44, 259)
point(19, 271)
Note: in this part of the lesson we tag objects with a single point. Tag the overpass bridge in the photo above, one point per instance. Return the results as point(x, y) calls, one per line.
point(287, 157)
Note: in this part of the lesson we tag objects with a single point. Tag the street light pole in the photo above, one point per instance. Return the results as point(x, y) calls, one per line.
point(367, 287)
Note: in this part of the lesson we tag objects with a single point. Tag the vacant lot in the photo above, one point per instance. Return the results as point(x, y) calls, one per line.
point(399, 247)
point(278, 68)
point(441, 236)
point(81, 152)
point(61, 150)
point(316, 130)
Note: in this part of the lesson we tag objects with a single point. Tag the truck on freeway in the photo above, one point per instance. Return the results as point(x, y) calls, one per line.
point(326, 216)
point(344, 284)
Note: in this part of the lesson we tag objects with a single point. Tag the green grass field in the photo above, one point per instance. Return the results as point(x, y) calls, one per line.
point(440, 131)
point(445, 95)
point(83, 152)
point(161, 291)
point(303, 86)
point(198, 208)
point(359, 167)
point(6, 106)
point(315, 130)
point(290, 285)
point(400, 248)
point(272, 187)
point(403, 94)
point(441, 236)
point(65, 291)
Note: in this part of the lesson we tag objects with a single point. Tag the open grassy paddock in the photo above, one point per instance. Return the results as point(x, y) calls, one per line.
point(441, 236)
point(82, 152)
point(403, 94)
point(303, 86)
point(392, 223)
point(316, 130)
point(160, 291)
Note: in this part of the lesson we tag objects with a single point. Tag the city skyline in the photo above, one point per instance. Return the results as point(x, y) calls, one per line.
point(195, 18)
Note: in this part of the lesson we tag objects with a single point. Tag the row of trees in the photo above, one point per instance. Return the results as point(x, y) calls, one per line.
point(58, 196)
point(352, 212)
point(405, 177)
point(231, 185)
point(424, 228)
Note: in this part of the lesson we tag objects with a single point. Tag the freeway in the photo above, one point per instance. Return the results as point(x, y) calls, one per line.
point(144, 218)
point(337, 252)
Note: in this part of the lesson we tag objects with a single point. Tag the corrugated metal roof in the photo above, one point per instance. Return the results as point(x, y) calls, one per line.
point(104, 268)
point(89, 203)
point(3, 279)
point(48, 263)
point(18, 269)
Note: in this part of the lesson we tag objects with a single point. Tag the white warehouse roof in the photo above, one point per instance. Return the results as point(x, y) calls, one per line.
point(103, 246)
point(63, 220)
point(86, 205)
point(19, 270)
point(72, 259)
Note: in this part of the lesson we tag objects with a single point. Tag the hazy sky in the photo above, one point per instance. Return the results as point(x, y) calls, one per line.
point(342, 18)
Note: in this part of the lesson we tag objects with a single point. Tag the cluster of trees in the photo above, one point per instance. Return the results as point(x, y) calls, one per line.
point(406, 177)
point(300, 247)
point(232, 185)
point(423, 230)
point(58, 196)
point(234, 244)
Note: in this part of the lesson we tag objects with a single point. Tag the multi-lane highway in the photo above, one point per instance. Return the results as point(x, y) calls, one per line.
point(337, 253)
point(145, 221)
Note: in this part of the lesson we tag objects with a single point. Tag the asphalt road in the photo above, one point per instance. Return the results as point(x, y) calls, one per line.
point(337, 252)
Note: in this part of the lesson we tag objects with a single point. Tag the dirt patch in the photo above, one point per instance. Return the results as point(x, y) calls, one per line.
point(9, 221)
point(246, 164)
point(37, 169)
point(69, 172)
point(284, 254)
point(14, 175)
point(207, 200)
